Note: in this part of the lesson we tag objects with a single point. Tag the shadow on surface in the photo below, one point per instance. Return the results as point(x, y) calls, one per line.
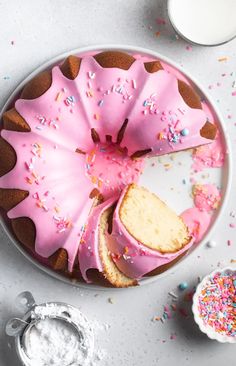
point(184, 320)
point(8, 356)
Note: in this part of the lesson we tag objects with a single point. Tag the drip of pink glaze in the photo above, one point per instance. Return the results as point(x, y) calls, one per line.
point(197, 222)
point(89, 257)
point(58, 189)
point(111, 169)
point(206, 197)
point(211, 155)
point(131, 257)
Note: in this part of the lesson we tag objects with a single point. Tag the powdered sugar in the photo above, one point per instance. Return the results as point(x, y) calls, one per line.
point(54, 342)
point(59, 336)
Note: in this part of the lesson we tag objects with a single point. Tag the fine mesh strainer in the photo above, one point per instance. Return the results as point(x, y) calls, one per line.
point(20, 328)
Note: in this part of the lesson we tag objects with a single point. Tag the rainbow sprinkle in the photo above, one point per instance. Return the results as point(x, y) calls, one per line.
point(222, 59)
point(58, 96)
point(91, 75)
point(62, 223)
point(217, 303)
point(46, 122)
point(70, 101)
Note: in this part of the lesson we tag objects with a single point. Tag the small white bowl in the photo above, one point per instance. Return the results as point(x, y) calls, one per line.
point(208, 330)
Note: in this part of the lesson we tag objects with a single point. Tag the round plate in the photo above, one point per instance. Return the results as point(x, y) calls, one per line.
point(166, 183)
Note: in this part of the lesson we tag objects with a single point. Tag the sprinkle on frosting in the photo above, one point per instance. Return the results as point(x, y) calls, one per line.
point(62, 223)
point(150, 105)
point(217, 303)
point(36, 149)
point(41, 202)
point(174, 132)
point(120, 168)
point(70, 101)
point(58, 96)
point(50, 122)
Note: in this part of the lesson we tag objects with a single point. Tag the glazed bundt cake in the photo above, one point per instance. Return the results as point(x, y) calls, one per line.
point(47, 148)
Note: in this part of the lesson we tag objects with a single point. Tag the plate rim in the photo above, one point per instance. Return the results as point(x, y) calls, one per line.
point(227, 166)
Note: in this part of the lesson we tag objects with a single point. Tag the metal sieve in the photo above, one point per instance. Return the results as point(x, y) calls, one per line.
point(20, 328)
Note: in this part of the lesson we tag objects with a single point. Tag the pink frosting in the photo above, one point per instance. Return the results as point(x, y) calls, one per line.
point(119, 170)
point(211, 155)
point(57, 178)
point(161, 120)
point(197, 222)
point(131, 257)
point(58, 189)
point(89, 249)
point(206, 197)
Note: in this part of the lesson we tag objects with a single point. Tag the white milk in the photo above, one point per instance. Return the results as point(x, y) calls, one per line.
point(206, 22)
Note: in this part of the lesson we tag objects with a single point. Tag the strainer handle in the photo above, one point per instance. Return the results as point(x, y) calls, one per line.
point(25, 301)
point(15, 326)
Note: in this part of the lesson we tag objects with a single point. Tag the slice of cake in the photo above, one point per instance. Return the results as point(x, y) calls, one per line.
point(151, 222)
point(146, 233)
point(140, 235)
point(110, 270)
point(94, 253)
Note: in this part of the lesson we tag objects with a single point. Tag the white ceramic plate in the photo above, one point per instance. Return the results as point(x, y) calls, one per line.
point(167, 184)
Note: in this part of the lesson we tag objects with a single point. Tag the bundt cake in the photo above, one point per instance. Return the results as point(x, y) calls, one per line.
point(49, 188)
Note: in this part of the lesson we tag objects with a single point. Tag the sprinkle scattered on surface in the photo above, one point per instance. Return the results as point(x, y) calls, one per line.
point(211, 244)
point(189, 48)
point(161, 21)
point(111, 300)
point(222, 59)
point(183, 286)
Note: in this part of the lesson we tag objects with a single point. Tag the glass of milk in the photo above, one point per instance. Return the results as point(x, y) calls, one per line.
point(204, 22)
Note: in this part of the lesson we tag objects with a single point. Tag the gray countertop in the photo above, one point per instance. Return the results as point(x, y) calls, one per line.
point(32, 32)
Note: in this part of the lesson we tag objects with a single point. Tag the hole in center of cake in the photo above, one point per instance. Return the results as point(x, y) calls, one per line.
point(110, 168)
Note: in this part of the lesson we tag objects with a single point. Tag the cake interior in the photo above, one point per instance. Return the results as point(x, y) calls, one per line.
point(110, 270)
point(151, 221)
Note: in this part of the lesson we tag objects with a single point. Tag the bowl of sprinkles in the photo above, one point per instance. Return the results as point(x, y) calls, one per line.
point(214, 305)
